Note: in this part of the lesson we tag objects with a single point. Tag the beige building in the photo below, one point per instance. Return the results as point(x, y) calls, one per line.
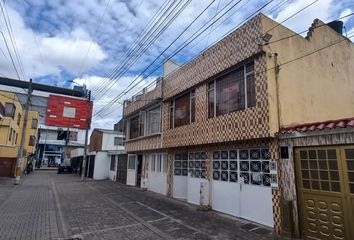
point(224, 113)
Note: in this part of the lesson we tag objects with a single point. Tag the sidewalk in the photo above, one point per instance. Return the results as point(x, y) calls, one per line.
point(29, 211)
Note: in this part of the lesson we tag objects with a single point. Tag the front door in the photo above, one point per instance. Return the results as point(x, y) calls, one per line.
point(122, 168)
point(131, 172)
point(139, 168)
point(325, 185)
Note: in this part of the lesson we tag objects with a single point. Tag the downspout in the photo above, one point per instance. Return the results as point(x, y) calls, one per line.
point(276, 71)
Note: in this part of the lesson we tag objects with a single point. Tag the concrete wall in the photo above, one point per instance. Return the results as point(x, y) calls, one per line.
point(108, 141)
point(102, 163)
point(314, 88)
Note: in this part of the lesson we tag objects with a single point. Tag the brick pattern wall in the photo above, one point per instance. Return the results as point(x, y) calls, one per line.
point(96, 141)
point(144, 144)
point(237, 46)
point(143, 100)
point(247, 124)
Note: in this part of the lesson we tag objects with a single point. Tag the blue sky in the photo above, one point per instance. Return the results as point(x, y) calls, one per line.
point(84, 40)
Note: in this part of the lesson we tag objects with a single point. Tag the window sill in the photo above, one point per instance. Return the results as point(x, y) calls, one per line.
point(143, 137)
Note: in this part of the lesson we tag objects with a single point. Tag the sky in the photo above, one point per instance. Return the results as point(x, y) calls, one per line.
point(87, 41)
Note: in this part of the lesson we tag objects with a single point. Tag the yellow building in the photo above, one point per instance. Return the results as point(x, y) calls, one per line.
point(11, 122)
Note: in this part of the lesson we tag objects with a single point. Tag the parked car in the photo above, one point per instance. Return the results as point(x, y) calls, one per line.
point(65, 167)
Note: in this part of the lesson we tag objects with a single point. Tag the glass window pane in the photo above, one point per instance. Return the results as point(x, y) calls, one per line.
point(182, 110)
point(230, 92)
point(251, 90)
point(154, 120)
point(134, 127)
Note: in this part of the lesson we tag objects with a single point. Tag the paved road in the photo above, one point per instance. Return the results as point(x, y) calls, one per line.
point(51, 206)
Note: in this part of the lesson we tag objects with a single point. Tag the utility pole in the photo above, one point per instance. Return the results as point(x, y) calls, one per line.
point(88, 124)
point(23, 137)
point(67, 139)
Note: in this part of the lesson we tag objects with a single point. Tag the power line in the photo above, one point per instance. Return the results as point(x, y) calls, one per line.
point(144, 46)
point(89, 48)
point(137, 40)
point(341, 39)
point(186, 43)
point(116, 99)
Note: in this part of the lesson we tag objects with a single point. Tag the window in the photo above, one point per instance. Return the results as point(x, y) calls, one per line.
point(34, 123)
point(192, 164)
point(145, 123)
point(182, 110)
point(69, 112)
point(113, 163)
point(131, 162)
point(2, 109)
point(142, 116)
point(158, 162)
point(18, 119)
point(32, 140)
point(164, 165)
point(153, 120)
point(16, 138)
point(10, 110)
point(246, 166)
point(152, 159)
point(13, 136)
point(232, 92)
point(134, 127)
point(118, 141)
point(10, 135)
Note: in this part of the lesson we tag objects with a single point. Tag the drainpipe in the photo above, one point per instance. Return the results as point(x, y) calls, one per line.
point(276, 71)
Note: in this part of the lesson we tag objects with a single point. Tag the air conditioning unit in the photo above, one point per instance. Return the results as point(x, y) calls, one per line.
point(204, 193)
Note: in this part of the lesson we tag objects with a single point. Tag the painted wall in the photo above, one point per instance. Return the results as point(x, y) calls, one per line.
point(315, 88)
point(54, 115)
point(102, 163)
point(157, 180)
point(108, 141)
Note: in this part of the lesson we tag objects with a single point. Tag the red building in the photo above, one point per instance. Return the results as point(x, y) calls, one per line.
point(67, 112)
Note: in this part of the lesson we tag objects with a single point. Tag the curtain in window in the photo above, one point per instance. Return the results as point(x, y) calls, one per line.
point(154, 120)
point(230, 95)
point(134, 127)
point(182, 110)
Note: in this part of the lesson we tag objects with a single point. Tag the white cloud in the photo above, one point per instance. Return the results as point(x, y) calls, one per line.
point(114, 113)
point(42, 54)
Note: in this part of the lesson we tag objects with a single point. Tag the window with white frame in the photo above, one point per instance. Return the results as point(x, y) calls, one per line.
point(113, 163)
point(145, 123)
point(182, 109)
point(118, 141)
point(131, 162)
point(153, 119)
point(158, 163)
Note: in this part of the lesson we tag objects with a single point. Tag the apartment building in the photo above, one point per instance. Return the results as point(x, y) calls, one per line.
point(11, 123)
point(229, 123)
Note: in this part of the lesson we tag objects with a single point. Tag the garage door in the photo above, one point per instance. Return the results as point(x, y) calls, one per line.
point(241, 184)
point(325, 185)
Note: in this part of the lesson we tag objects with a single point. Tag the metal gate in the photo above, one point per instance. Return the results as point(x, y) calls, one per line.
point(325, 186)
point(122, 168)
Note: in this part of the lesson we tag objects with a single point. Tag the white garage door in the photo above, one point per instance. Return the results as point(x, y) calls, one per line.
point(189, 171)
point(157, 176)
point(241, 184)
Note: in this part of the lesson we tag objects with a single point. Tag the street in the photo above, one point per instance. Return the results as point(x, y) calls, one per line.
point(51, 206)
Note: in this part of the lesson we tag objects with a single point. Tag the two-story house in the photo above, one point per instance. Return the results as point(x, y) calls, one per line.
point(106, 149)
point(223, 115)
